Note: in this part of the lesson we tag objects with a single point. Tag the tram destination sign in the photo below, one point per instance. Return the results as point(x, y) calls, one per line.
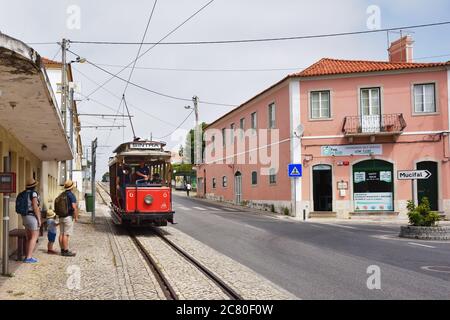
point(145, 145)
point(413, 175)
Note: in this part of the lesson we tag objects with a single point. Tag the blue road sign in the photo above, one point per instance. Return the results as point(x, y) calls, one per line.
point(295, 170)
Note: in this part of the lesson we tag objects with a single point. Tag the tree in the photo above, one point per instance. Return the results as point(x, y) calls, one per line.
point(189, 149)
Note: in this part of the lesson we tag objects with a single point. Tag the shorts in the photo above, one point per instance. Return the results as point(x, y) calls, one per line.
point(66, 226)
point(30, 222)
point(51, 236)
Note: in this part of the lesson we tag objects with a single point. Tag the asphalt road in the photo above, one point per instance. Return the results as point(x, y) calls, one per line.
point(318, 260)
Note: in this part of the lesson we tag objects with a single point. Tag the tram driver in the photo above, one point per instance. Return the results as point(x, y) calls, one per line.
point(143, 173)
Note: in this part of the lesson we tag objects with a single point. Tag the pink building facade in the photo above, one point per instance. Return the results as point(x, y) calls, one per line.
point(353, 125)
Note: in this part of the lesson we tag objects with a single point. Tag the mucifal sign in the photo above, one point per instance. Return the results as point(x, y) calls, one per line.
point(413, 175)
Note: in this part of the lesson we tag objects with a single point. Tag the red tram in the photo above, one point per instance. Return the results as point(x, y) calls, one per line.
point(140, 184)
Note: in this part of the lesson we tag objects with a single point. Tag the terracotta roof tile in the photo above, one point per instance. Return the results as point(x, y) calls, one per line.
point(333, 66)
point(46, 61)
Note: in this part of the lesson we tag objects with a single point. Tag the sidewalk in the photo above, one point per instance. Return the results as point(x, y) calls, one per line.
point(93, 274)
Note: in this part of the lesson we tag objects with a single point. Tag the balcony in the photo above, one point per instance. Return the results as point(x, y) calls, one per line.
point(375, 125)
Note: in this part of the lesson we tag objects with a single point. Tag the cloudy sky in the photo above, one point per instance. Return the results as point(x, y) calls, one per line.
point(125, 21)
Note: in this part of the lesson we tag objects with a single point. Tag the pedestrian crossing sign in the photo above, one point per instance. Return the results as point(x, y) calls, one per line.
point(295, 170)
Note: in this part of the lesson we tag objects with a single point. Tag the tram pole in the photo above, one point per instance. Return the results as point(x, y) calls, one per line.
point(5, 256)
point(197, 133)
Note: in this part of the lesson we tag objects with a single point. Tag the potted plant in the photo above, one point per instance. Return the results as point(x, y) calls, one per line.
point(424, 223)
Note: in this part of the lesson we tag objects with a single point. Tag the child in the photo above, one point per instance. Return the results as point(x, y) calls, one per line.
point(51, 231)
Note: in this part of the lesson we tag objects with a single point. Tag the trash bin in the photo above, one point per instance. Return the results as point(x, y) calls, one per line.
point(89, 200)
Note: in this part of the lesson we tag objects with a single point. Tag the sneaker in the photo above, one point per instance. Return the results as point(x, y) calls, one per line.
point(30, 260)
point(68, 254)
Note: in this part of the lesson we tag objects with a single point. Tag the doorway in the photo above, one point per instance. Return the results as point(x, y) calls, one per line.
point(429, 187)
point(238, 188)
point(322, 188)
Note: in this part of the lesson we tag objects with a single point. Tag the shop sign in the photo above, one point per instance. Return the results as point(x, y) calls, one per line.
point(355, 150)
point(374, 201)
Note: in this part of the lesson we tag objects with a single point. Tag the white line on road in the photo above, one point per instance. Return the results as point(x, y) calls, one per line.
point(199, 208)
point(421, 245)
point(183, 208)
point(212, 208)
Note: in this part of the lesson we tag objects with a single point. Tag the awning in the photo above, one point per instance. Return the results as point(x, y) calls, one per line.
point(28, 108)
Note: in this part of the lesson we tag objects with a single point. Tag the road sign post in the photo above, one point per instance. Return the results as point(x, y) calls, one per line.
point(413, 175)
point(295, 171)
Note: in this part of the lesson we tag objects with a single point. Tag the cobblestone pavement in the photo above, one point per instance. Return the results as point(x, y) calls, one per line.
point(243, 280)
point(188, 282)
point(101, 275)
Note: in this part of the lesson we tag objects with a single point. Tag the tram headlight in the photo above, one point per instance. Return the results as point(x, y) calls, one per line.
point(148, 199)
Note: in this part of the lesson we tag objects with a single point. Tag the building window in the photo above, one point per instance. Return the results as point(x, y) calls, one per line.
point(242, 127)
point(272, 112)
point(254, 121)
point(232, 133)
point(224, 181)
point(214, 183)
point(254, 178)
point(320, 105)
point(370, 102)
point(272, 176)
point(424, 98)
point(213, 143)
point(224, 137)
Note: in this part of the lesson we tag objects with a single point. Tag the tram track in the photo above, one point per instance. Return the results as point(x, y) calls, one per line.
point(164, 283)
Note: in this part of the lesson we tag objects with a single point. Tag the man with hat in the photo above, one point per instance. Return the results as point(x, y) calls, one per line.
point(66, 223)
point(32, 220)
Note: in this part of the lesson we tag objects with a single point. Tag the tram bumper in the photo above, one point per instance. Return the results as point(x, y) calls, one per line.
point(158, 218)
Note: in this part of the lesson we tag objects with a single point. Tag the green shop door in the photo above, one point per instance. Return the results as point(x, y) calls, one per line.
point(429, 188)
point(373, 186)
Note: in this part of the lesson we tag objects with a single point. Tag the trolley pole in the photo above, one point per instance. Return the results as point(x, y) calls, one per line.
point(93, 170)
point(71, 116)
point(5, 256)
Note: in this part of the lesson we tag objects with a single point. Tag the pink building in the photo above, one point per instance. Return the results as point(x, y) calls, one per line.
point(352, 125)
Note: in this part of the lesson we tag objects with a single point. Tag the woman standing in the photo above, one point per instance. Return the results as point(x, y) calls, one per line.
point(32, 221)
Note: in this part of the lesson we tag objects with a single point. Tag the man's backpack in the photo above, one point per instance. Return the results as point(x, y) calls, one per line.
point(62, 205)
point(22, 202)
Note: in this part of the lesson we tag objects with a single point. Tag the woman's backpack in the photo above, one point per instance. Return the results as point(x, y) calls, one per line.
point(22, 202)
point(62, 205)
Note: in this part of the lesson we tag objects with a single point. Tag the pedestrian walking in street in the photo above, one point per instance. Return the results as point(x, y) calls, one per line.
point(51, 231)
point(27, 205)
point(188, 188)
point(67, 210)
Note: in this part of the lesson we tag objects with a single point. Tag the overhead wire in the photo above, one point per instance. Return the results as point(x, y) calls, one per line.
point(327, 35)
point(155, 44)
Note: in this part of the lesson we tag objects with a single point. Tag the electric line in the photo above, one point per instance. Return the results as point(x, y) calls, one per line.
point(327, 35)
point(179, 126)
point(202, 70)
point(150, 90)
point(156, 43)
point(119, 98)
point(132, 70)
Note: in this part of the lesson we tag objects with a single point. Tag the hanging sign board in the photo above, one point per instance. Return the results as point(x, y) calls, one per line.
point(7, 182)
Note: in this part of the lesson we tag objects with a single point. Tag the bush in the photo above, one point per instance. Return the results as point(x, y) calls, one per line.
point(422, 216)
point(286, 211)
point(272, 208)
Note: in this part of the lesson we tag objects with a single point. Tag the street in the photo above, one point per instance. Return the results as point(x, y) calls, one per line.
point(318, 260)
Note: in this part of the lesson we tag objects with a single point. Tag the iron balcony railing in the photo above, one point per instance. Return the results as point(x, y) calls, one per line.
point(364, 125)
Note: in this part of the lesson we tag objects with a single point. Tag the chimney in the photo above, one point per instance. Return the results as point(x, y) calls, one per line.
point(401, 50)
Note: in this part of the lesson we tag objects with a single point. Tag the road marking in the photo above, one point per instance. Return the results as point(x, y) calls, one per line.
point(421, 245)
point(212, 208)
point(229, 209)
point(433, 269)
point(184, 208)
point(199, 208)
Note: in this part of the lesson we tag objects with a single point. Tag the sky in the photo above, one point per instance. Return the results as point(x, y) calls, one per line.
point(35, 22)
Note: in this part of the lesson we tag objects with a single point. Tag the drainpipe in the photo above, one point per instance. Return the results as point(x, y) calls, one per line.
point(5, 256)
